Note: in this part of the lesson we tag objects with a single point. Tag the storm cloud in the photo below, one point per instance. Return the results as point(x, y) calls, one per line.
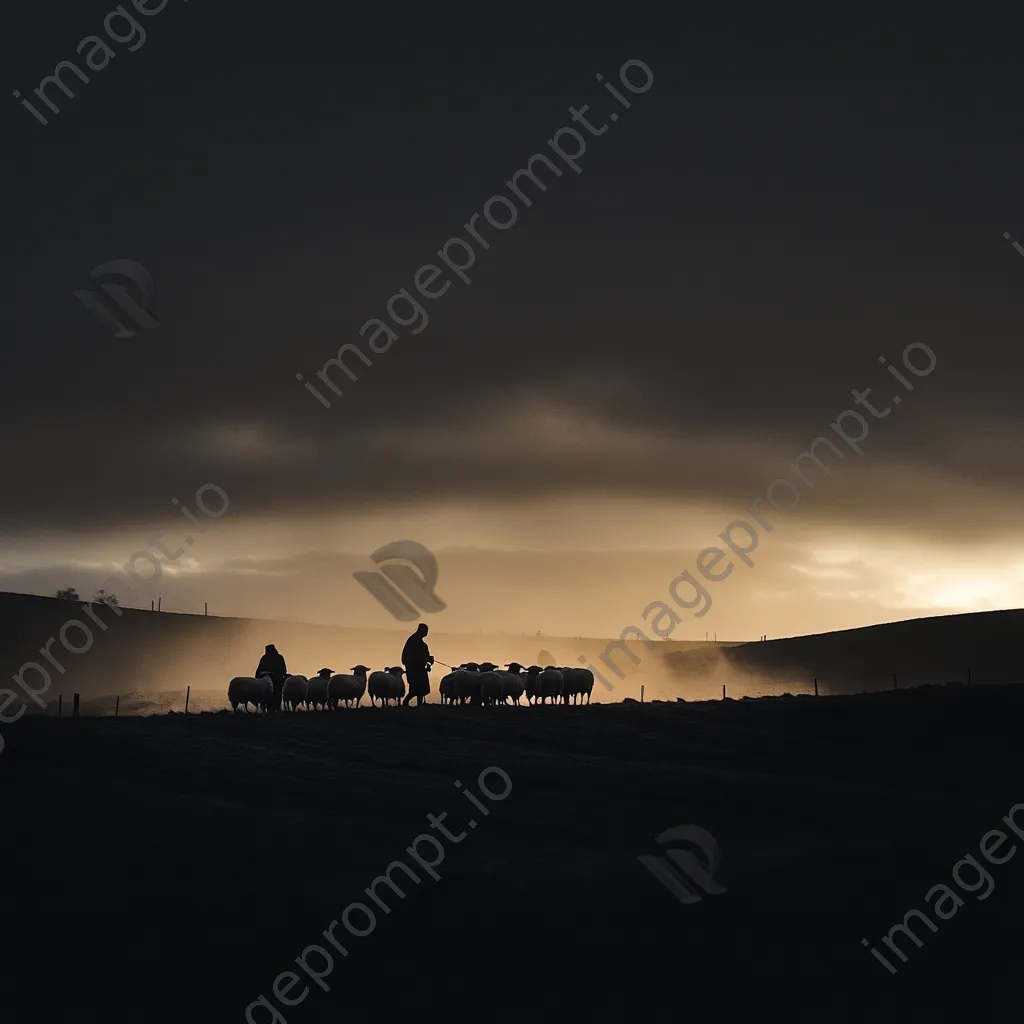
point(669, 328)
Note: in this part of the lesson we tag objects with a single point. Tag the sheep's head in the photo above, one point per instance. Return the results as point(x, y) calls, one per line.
point(360, 670)
point(486, 666)
point(472, 666)
point(326, 672)
point(396, 672)
point(514, 666)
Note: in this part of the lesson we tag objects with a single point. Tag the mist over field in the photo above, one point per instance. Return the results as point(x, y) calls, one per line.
point(674, 346)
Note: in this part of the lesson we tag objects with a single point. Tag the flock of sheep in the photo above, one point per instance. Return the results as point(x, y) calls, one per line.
point(471, 683)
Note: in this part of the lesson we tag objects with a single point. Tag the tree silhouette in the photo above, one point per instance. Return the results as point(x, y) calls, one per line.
point(102, 597)
point(68, 594)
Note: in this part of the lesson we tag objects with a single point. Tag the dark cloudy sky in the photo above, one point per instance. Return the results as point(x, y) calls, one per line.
point(802, 190)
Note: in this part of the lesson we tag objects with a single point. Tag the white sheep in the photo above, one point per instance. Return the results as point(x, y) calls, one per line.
point(586, 683)
point(294, 692)
point(386, 686)
point(532, 688)
point(512, 682)
point(447, 688)
point(316, 693)
point(347, 688)
point(467, 682)
point(575, 683)
point(569, 689)
point(246, 690)
point(549, 684)
point(491, 690)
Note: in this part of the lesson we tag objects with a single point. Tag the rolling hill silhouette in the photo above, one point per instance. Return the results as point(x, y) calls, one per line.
point(986, 646)
point(160, 653)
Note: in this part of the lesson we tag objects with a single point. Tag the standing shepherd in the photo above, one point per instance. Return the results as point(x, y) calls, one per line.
point(417, 659)
point(272, 664)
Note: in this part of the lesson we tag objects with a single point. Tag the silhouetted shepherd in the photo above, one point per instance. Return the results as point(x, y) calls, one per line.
point(272, 664)
point(416, 658)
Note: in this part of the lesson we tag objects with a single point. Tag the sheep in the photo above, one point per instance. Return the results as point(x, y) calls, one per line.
point(447, 687)
point(467, 682)
point(387, 685)
point(512, 683)
point(246, 690)
point(549, 684)
point(294, 692)
point(316, 694)
point(586, 683)
point(347, 688)
point(491, 690)
point(575, 683)
point(532, 688)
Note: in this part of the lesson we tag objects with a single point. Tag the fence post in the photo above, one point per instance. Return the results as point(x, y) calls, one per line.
point(159, 601)
point(723, 691)
point(117, 705)
point(206, 608)
point(60, 705)
point(188, 691)
point(74, 710)
point(641, 694)
point(815, 686)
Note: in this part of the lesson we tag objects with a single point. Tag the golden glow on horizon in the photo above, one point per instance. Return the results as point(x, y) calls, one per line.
point(566, 566)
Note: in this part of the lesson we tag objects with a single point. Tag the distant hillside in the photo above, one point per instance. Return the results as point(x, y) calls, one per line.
point(148, 652)
point(931, 650)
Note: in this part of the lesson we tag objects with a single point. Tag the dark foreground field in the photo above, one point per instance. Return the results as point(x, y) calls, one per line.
point(170, 868)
